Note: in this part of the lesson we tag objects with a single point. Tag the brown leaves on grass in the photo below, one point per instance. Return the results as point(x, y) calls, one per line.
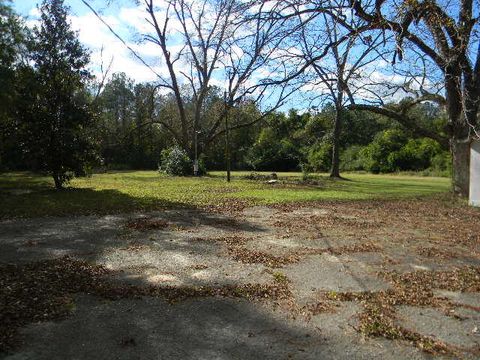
point(226, 222)
point(199, 267)
point(135, 246)
point(173, 294)
point(465, 279)
point(237, 251)
point(318, 308)
point(378, 319)
point(246, 256)
point(315, 226)
point(354, 248)
point(231, 240)
point(431, 220)
point(148, 223)
point(31, 243)
point(228, 206)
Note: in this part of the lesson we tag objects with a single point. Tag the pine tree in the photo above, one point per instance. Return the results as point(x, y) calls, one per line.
point(60, 128)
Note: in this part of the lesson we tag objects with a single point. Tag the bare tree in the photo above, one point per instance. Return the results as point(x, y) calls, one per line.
point(343, 74)
point(414, 86)
point(101, 79)
point(228, 43)
point(207, 45)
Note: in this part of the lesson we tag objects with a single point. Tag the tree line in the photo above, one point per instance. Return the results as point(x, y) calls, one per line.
point(423, 105)
point(279, 142)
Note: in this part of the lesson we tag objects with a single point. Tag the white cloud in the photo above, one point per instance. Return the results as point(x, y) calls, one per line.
point(34, 12)
point(136, 18)
point(104, 46)
point(91, 31)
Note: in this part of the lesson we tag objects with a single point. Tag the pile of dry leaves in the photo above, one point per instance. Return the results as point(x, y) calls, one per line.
point(41, 291)
point(242, 254)
point(145, 224)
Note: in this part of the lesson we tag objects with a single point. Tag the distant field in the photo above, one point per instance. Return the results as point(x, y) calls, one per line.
point(26, 194)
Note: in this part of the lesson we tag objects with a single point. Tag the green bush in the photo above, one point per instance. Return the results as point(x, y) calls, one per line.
point(175, 161)
point(273, 154)
point(392, 151)
point(319, 157)
point(441, 164)
point(381, 155)
point(351, 159)
point(417, 154)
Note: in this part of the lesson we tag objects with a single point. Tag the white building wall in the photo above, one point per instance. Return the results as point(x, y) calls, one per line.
point(475, 173)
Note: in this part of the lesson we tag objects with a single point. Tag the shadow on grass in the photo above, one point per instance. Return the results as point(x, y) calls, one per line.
point(44, 201)
point(30, 195)
point(24, 180)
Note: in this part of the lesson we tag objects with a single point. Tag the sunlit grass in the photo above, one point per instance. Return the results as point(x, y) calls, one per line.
point(25, 194)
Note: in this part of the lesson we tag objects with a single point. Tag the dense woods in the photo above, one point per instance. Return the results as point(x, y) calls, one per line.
point(58, 118)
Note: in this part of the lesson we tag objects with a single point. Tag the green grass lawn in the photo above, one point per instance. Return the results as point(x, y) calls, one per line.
point(26, 194)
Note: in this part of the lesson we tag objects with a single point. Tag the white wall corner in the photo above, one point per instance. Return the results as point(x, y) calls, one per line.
point(474, 198)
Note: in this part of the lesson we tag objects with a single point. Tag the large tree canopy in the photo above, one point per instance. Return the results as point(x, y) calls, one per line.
point(441, 41)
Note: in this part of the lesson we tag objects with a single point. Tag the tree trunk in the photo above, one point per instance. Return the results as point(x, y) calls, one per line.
point(460, 149)
point(462, 108)
point(337, 128)
point(58, 182)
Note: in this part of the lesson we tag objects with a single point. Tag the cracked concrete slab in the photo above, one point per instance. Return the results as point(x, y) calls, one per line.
point(433, 323)
point(212, 328)
point(328, 273)
point(462, 298)
point(190, 252)
point(181, 262)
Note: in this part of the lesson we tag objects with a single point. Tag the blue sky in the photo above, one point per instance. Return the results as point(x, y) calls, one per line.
point(24, 7)
point(128, 20)
point(124, 16)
